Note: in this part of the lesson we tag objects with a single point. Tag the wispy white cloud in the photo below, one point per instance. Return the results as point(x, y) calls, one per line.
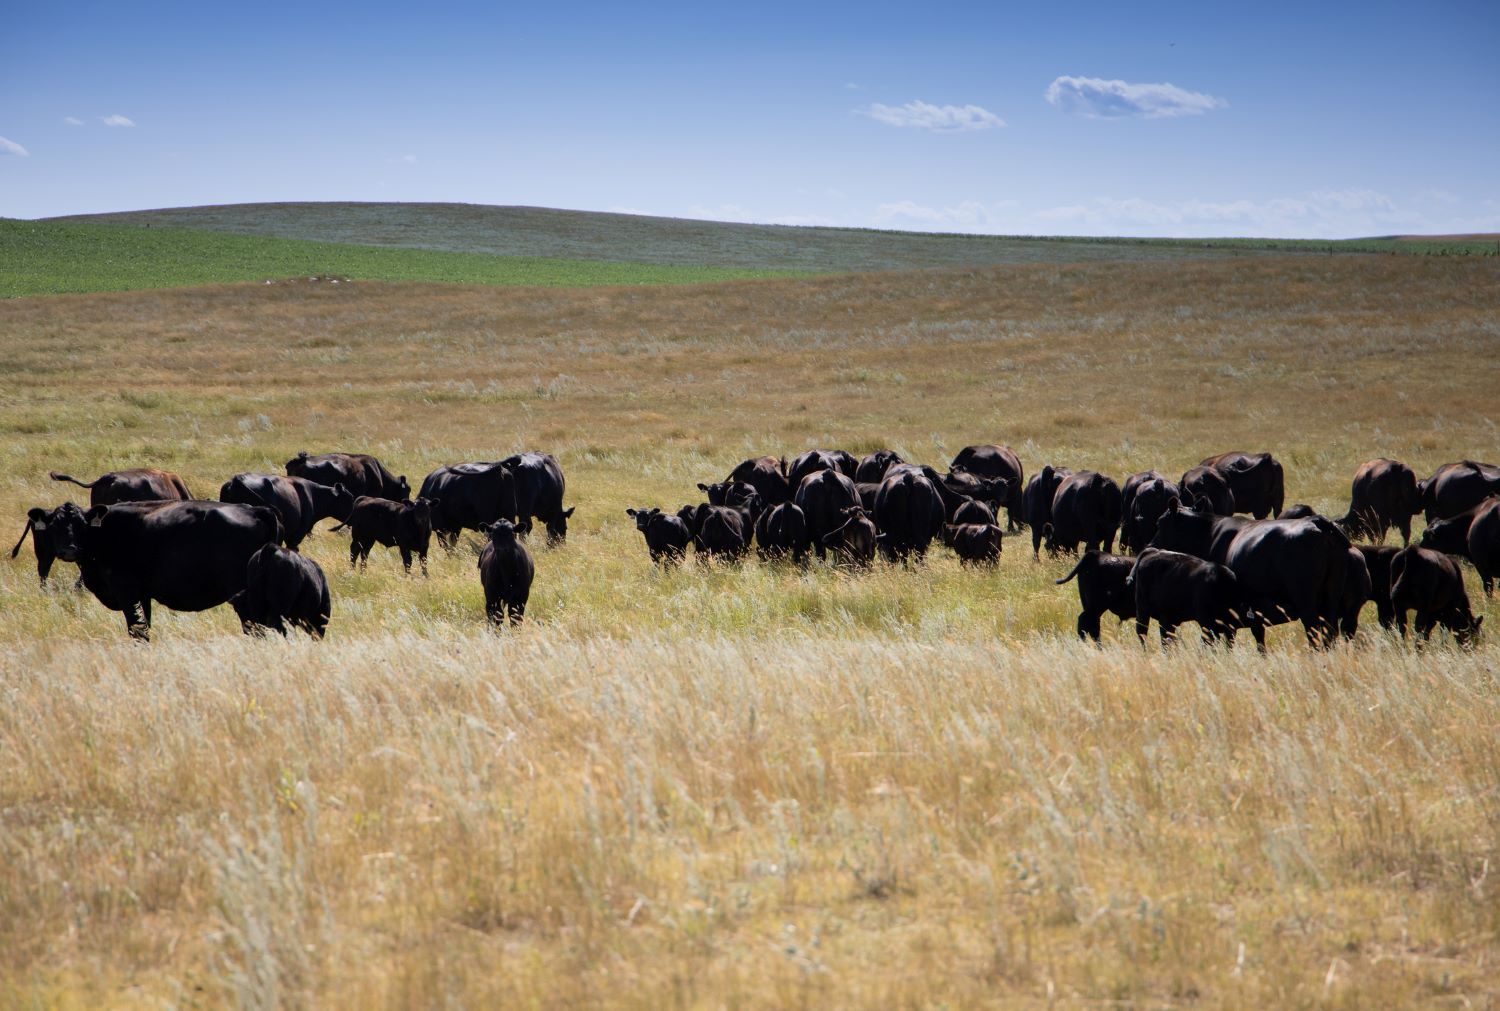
point(405, 159)
point(851, 86)
point(116, 120)
point(72, 121)
point(12, 148)
point(937, 118)
point(966, 216)
point(1098, 98)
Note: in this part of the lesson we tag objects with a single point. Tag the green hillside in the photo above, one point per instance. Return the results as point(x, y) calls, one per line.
point(47, 257)
point(587, 235)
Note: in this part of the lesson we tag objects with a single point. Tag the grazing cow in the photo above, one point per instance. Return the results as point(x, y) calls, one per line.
point(667, 537)
point(54, 535)
point(1036, 503)
point(1085, 509)
point(1102, 586)
point(1456, 487)
point(736, 495)
point(867, 491)
point(406, 526)
point(1173, 587)
point(972, 511)
point(282, 586)
point(470, 496)
point(718, 531)
point(815, 460)
point(539, 493)
point(974, 543)
point(1384, 495)
point(823, 496)
point(188, 556)
point(1430, 583)
point(910, 513)
point(855, 540)
point(1484, 543)
point(1001, 462)
point(872, 468)
point(1256, 479)
point(1205, 485)
point(145, 484)
point(298, 502)
point(767, 475)
point(1451, 535)
point(1377, 558)
point(1143, 498)
point(1357, 591)
point(505, 572)
point(1292, 570)
point(361, 473)
point(959, 485)
point(781, 532)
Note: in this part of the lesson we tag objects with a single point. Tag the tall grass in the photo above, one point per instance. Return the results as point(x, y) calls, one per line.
point(750, 786)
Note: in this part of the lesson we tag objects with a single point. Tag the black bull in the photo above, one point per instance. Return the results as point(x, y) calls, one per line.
point(1291, 570)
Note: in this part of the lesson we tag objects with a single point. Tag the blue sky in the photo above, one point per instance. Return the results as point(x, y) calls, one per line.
point(1286, 119)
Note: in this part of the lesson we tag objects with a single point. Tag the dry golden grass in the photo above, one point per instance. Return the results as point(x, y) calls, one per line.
point(750, 787)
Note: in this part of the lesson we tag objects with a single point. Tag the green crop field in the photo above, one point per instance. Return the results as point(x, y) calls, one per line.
point(39, 258)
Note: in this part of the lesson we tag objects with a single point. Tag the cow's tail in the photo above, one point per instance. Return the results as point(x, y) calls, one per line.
point(54, 475)
point(342, 526)
point(274, 519)
point(17, 549)
point(1087, 557)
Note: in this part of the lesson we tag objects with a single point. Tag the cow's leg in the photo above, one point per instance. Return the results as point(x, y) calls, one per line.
point(1405, 528)
point(517, 611)
point(422, 557)
point(406, 559)
point(1142, 627)
point(1088, 626)
point(1168, 633)
point(353, 552)
point(1400, 618)
point(136, 624)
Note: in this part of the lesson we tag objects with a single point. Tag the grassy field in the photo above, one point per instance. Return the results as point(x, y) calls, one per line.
point(752, 786)
point(584, 235)
point(41, 258)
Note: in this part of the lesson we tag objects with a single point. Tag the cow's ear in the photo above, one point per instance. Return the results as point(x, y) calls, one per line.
point(1173, 504)
point(655, 511)
point(38, 516)
point(485, 528)
point(94, 515)
point(630, 512)
point(568, 513)
point(702, 486)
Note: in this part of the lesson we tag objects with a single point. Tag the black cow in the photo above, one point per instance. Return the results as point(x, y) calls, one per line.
point(469, 496)
point(1173, 588)
point(1432, 584)
point(1358, 589)
point(539, 493)
point(1101, 587)
point(1036, 503)
point(144, 484)
point(1383, 495)
point(667, 537)
point(1301, 511)
point(872, 467)
point(767, 475)
point(823, 496)
point(1377, 559)
point(1205, 485)
point(910, 513)
point(855, 539)
point(718, 531)
point(1002, 462)
point(958, 485)
point(815, 460)
point(1143, 498)
point(1451, 535)
point(972, 511)
point(1484, 543)
point(1256, 479)
point(867, 490)
point(188, 556)
point(299, 502)
point(1086, 510)
point(505, 572)
point(406, 526)
point(1456, 487)
point(361, 473)
point(54, 535)
point(1291, 569)
point(781, 532)
point(974, 543)
point(282, 586)
point(736, 495)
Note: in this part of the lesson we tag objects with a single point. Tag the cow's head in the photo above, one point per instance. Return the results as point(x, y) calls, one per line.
point(643, 517)
point(1183, 529)
point(61, 528)
point(343, 502)
point(403, 489)
point(501, 532)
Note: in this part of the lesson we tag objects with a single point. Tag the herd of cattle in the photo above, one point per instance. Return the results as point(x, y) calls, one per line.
point(1190, 553)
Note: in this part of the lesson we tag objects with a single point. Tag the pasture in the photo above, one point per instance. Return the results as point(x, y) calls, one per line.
point(745, 786)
